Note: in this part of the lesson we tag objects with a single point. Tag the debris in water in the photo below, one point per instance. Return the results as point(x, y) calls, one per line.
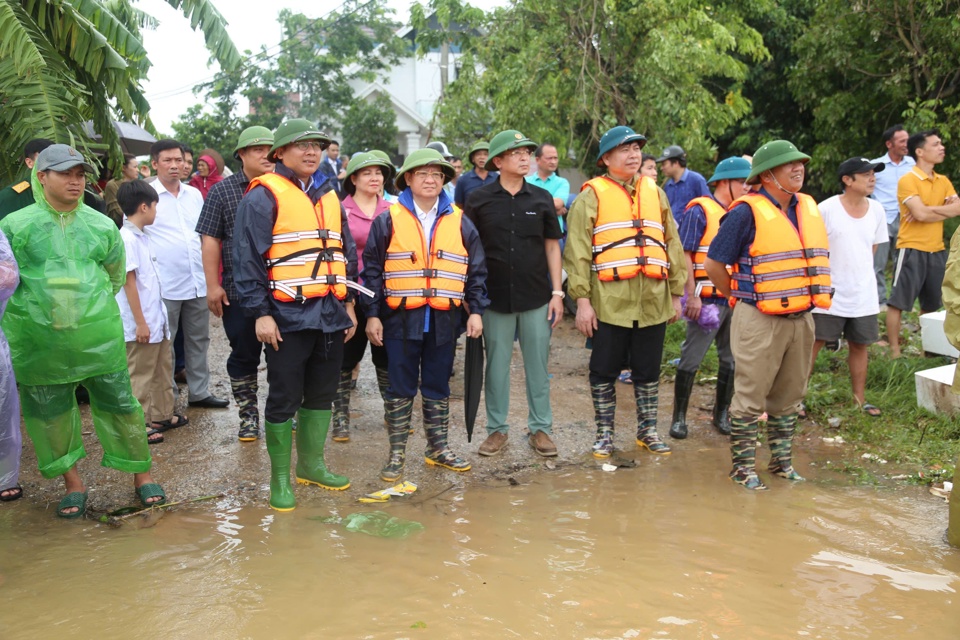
point(513, 481)
point(835, 422)
point(375, 523)
point(403, 489)
point(609, 467)
point(873, 457)
point(550, 464)
point(836, 440)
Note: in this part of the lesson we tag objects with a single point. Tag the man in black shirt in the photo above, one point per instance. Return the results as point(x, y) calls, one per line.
point(520, 233)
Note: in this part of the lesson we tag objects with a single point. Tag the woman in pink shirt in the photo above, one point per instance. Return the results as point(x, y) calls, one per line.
point(364, 182)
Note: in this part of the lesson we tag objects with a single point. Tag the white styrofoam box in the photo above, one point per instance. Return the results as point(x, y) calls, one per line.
point(932, 335)
point(934, 390)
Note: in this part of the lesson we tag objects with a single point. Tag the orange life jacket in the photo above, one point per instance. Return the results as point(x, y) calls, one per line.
point(415, 276)
point(788, 270)
point(306, 259)
point(714, 212)
point(628, 234)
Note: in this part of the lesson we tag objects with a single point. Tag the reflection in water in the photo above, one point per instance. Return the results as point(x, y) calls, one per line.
point(640, 553)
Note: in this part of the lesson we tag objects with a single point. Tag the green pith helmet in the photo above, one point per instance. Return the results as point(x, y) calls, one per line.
point(735, 168)
point(616, 137)
point(362, 161)
point(252, 137)
point(383, 155)
point(479, 145)
point(422, 158)
point(772, 155)
point(506, 141)
point(294, 131)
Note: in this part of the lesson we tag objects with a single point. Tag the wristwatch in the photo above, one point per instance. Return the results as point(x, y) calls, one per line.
point(558, 293)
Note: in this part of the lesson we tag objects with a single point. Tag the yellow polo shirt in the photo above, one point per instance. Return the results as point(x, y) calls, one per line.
point(932, 191)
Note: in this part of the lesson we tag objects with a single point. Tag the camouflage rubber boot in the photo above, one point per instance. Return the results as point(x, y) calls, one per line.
point(383, 381)
point(341, 409)
point(604, 395)
point(436, 422)
point(721, 408)
point(647, 394)
point(245, 395)
point(780, 431)
point(399, 411)
point(743, 449)
point(279, 445)
point(311, 440)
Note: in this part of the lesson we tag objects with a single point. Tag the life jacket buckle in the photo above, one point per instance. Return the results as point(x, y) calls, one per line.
point(430, 293)
point(430, 273)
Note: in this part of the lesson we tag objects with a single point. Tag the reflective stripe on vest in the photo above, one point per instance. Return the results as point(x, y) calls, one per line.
point(628, 235)
point(306, 259)
point(413, 276)
point(713, 212)
point(788, 269)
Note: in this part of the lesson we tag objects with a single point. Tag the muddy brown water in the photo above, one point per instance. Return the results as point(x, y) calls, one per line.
point(669, 549)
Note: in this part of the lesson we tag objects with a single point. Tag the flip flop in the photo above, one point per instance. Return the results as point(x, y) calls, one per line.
point(626, 377)
point(871, 410)
point(75, 499)
point(167, 425)
point(16, 495)
point(154, 432)
point(151, 490)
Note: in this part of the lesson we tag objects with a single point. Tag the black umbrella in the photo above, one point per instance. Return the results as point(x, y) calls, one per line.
point(134, 140)
point(472, 381)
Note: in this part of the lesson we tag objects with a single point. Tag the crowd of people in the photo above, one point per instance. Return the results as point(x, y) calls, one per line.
point(308, 259)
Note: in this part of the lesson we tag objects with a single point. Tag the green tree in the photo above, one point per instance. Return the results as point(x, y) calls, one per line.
point(865, 65)
point(371, 125)
point(63, 62)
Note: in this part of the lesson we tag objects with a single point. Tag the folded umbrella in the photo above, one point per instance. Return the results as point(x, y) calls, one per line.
point(472, 382)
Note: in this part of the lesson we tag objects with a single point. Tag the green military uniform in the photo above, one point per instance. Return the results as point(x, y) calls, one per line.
point(14, 197)
point(951, 327)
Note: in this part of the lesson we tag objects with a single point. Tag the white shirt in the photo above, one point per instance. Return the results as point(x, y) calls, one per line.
point(851, 257)
point(885, 191)
point(140, 259)
point(176, 243)
point(427, 218)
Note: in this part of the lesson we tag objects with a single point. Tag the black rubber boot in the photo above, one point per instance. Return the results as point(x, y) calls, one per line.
point(721, 408)
point(682, 389)
point(341, 408)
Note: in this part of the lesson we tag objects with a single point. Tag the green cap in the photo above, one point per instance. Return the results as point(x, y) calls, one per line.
point(505, 141)
point(361, 161)
point(615, 137)
point(772, 155)
point(479, 145)
point(734, 168)
point(296, 130)
point(421, 158)
point(252, 137)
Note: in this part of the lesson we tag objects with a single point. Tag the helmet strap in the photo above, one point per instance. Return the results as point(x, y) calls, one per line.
point(780, 186)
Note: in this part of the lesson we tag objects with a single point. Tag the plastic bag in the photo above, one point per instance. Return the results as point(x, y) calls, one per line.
point(380, 524)
point(10, 444)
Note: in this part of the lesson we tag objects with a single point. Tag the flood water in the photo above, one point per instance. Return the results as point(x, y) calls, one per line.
point(652, 552)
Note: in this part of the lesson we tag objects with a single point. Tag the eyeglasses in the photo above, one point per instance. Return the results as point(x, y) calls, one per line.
point(303, 145)
point(428, 175)
point(519, 153)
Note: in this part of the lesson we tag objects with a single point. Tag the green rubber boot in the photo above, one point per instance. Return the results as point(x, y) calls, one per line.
point(279, 444)
point(311, 438)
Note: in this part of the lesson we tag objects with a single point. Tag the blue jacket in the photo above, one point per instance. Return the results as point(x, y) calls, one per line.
point(411, 324)
point(253, 237)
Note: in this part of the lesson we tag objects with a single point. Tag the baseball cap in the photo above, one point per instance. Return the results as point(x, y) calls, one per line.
point(61, 157)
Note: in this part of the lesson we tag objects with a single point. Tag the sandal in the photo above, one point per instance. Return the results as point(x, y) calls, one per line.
point(167, 425)
point(871, 410)
point(154, 436)
point(16, 494)
point(76, 499)
point(802, 412)
point(151, 490)
point(626, 377)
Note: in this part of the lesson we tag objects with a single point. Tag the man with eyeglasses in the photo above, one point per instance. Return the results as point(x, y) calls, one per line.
point(626, 271)
point(425, 265)
point(295, 272)
point(698, 227)
point(520, 232)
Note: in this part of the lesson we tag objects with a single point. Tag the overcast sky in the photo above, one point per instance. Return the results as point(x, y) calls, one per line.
point(180, 59)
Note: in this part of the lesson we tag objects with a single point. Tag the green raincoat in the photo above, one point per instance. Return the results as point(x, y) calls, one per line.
point(63, 322)
point(951, 327)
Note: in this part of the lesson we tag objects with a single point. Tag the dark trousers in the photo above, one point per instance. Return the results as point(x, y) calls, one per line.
point(303, 372)
point(644, 347)
point(411, 360)
point(353, 350)
point(245, 349)
point(179, 357)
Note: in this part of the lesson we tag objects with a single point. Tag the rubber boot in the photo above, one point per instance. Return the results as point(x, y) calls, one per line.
point(743, 450)
point(311, 439)
point(436, 422)
point(604, 395)
point(721, 408)
point(245, 395)
point(279, 444)
point(780, 431)
point(682, 389)
point(341, 408)
point(399, 411)
point(647, 394)
point(383, 381)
